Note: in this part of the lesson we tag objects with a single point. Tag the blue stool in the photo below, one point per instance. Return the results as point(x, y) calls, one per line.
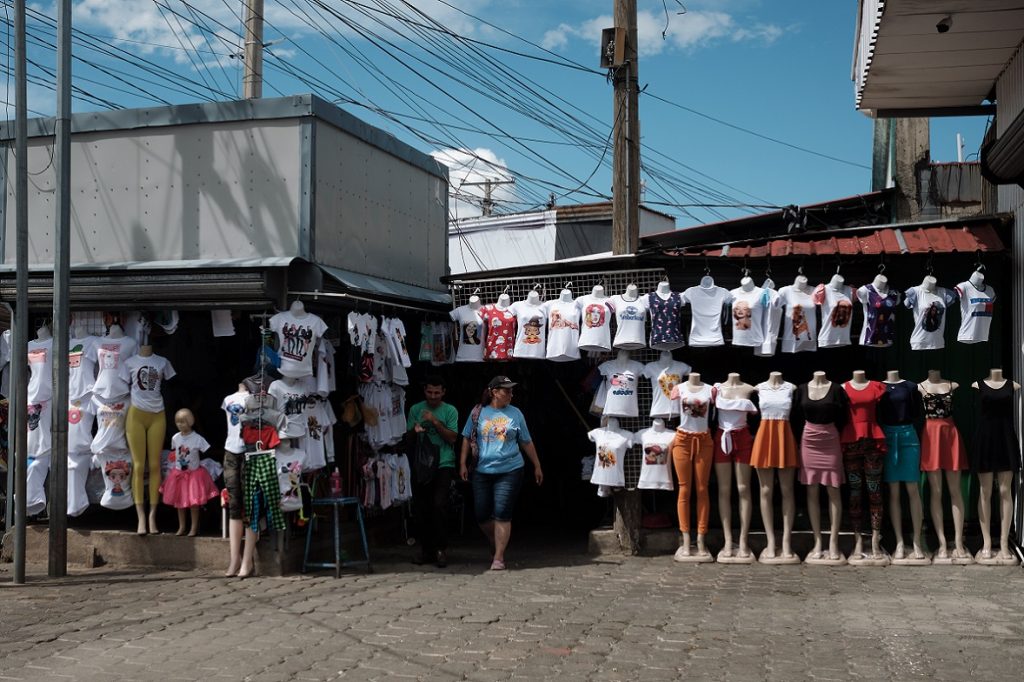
point(335, 503)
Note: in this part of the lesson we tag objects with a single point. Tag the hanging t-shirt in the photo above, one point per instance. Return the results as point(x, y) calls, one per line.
point(471, 334)
point(748, 312)
point(147, 379)
point(694, 407)
point(501, 332)
point(563, 330)
point(666, 321)
point(664, 377)
point(396, 341)
point(112, 377)
point(116, 468)
point(800, 325)
point(772, 322)
point(234, 406)
point(39, 423)
point(975, 312)
point(532, 324)
point(596, 329)
point(297, 398)
point(706, 305)
point(110, 418)
point(929, 316)
point(326, 375)
point(185, 451)
point(81, 368)
point(290, 465)
point(81, 415)
point(629, 318)
point(296, 338)
point(879, 316)
point(656, 462)
point(836, 315)
point(40, 367)
point(623, 375)
point(612, 445)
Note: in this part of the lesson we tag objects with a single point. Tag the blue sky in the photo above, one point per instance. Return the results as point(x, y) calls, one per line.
point(781, 69)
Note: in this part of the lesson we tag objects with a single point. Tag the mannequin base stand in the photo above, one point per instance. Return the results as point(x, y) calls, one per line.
point(778, 560)
point(735, 558)
point(825, 560)
point(926, 560)
point(693, 557)
point(995, 560)
point(950, 560)
point(867, 560)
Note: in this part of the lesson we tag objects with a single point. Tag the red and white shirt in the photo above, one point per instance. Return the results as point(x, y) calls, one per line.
point(501, 332)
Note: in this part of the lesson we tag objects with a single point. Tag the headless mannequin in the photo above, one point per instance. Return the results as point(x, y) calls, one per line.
point(43, 333)
point(504, 301)
point(474, 302)
point(836, 282)
point(598, 292)
point(977, 279)
point(623, 356)
point(611, 423)
point(141, 456)
point(566, 296)
point(734, 387)
point(631, 293)
point(240, 563)
point(995, 380)
point(929, 283)
point(658, 425)
point(859, 381)
point(817, 389)
point(800, 282)
point(115, 331)
point(881, 284)
point(297, 309)
point(746, 283)
point(664, 290)
point(533, 298)
point(895, 506)
point(684, 553)
point(936, 385)
point(766, 480)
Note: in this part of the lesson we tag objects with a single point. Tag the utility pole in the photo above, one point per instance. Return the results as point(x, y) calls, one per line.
point(487, 202)
point(58, 556)
point(626, 131)
point(252, 55)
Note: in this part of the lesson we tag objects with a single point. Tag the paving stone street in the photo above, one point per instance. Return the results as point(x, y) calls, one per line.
point(552, 615)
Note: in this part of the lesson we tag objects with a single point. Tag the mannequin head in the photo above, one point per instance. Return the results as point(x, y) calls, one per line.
point(977, 278)
point(565, 296)
point(504, 301)
point(694, 379)
point(881, 284)
point(929, 283)
point(995, 374)
point(297, 308)
point(893, 376)
point(664, 289)
point(474, 302)
point(533, 298)
point(800, 282)
point(43, 332)
point(747, 283)
point(597, 292)
point(733, 379)
point(115, 331)
point(632, 293)
point(819, 378)
point(775, 378)
point(184, 420)
point(859, 376)
point(837, 281)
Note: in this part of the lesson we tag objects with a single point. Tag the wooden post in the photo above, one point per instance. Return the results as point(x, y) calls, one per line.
point(626, 133)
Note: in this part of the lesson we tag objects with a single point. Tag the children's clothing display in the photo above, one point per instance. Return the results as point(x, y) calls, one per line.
point(941, 446)
point(898, 409)
point(612, 445)
point(40, 367)
point(749, 308)
point(666, 321)
point(800, 326)
point(975, 312)
point(733, 442)
point(774, 446)
point(563, 330)
point(821, 451)
point(146, 377)
point(595, 329)
point(187, 484)
point(472, 331)
point(110, 354)
point(879, 329)
point(707, 304)
point(929, 316)
point(995, 446)
point(836, 315)
point(630, 317)
point(665, 375)
point(621, 396)
point(297, 335)
point(532, 323)
point(655, 464)
point(81, 366)
point(501, 332)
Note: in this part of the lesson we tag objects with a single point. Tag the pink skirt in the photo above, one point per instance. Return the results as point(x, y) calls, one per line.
point(188, 488)
point(821, 456)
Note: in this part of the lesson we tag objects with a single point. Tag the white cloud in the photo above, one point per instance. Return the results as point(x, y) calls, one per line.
point(467, 171)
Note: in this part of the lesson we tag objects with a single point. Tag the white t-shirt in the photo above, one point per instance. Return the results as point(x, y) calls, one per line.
point(110, 354)
point(110, 417)
point(748, 312)
point(664, 377)
point(234, 406)
point(297, 399)
point(772, 321)
point(706, 304)
point(396, 341)
point(975, 312)
point(620, 399)
point(471, 333)
point(147, 378)
point(532, 330)
point(326, 377)
point(40, 367)
point(596, 329)
point(185, 451)
point(563, 330)
point(296, 339)
point(800, 326)
point(630, 317)
point(836, 315)
point(116, 468)
point(612, 445)
point(40, 423)
point(81, 415)
point(81, 366)
point(694, 407)
point(656, 460)
point(929, 316)
point(290, 465)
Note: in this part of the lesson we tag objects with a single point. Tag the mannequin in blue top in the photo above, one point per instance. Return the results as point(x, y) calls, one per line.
point(497, 434)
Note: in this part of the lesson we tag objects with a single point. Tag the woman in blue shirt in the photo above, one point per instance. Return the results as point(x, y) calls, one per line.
point(498, 436)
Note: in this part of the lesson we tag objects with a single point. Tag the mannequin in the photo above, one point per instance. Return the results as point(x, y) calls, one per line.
point(597, 291)
point(881, 284)
point(658, 425)
point(822, 406)
point(977, 279)
point(837, 281)
point(115, 331)
point(800, 282)
point(733, 403)
point(297, 308)
point(898, 411)
point(929, 283)
point(533, 298)
point(566, 296)
point(631, 293)
point(766, 479)
point(747, 283)
point(503, 301)
point(996, 456)
point(707, 281)
point(692, 453)
point(234, 458)
point(612, 444)
point(43, 333)
point(943, 453)
point(474, 302)
point(611, 423)
point(145, 428)
point(863, 445)
point(655, 464)
point(664, 290)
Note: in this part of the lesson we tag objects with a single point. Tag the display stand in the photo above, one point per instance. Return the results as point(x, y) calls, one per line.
point(735, 558)
point(868, 561)
point(778, 560)
point(953, 561)
point(825, 560)
point(996, 560)
point(693, 557)
point(926, 560)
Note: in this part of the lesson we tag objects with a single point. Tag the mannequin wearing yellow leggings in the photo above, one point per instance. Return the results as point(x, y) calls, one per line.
point(145, 432)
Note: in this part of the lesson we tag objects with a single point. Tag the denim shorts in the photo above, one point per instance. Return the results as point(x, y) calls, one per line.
point(494, 495)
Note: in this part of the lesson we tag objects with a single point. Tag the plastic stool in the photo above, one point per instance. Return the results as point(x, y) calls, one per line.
point(335, 503)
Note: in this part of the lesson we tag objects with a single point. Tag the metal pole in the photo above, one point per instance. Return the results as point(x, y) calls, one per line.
point(58, 558)
point(252, 82)
point(19, 347)
point(626, 131)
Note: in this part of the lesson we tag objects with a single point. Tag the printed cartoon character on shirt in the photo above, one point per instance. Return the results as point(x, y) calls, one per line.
point(933, 317)
point(469, 334)
point(235, 411)
point(655, 454)
point(34, 413)
point(179, 458)
point(842, 314)
point(296, 403)
point(295, 341)
point(694, 408)
point(605, 457)
point(800, 322)
point(556, 321)
point(75, 356)
point(594, 315)
point(313, 427)
point(495, 429)
point(292, 471)
point(667, 381)
point(148, 379)
point(621, 383)
point(74, 411)
point(531, 331)
point(118, 471)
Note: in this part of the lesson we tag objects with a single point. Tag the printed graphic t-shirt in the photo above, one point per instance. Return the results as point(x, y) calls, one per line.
point(185, 451)
point(297, 399)
point(81, 366)
point(499, 434)
point(655, 466)
point(501, 332)
point(596, 328)
point(110, 354)
point(40, 367)
point(531, 337)
point(117, 479)
point(694, 407)
point(622, 376)
point(748, 310)
point(879, 316)
point(81, 415)
point(471, 334)
point(110, 417)
point(836, 315)
point(706, 304)
point(563, 330)
point(147, 378)
point(975, 312)
point(612, 445)
point(800, 324)
point(234, 406)
point(297, 337)
point(929, 316)
point(666, 327)
point(630, 317)
point(290, 464)
point(664, 377)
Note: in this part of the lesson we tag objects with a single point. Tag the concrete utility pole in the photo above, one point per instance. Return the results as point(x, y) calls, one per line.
point(58, 558)
point(626, 153)
point(252, 82)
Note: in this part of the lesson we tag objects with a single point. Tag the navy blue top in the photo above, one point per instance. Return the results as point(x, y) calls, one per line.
point(900, 405)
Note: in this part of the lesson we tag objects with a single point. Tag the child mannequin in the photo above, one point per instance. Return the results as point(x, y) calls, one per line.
point(188, 485)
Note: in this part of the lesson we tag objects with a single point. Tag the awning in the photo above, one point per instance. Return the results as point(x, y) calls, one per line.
point(332, 282)
point(1002, 158)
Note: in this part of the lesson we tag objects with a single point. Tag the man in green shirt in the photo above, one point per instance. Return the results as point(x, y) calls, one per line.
point(440, 422)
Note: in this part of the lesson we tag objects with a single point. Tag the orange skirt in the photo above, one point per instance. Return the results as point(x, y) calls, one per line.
point(774, 446)
point(941, 447)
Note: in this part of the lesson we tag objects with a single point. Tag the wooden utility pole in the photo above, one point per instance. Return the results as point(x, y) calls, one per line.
point(252, 55)
point(626, 154)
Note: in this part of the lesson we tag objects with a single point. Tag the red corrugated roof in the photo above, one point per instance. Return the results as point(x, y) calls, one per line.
point(940, 239)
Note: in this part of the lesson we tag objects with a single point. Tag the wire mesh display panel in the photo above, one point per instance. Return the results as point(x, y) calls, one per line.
point(581, 284)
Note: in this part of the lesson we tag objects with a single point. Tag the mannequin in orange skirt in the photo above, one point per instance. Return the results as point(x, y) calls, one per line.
point(775, 451)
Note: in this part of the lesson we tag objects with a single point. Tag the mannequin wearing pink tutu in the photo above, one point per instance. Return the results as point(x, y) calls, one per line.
point(188, 485)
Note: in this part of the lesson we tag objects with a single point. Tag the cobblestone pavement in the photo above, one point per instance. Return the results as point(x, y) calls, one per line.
point(552, 615)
